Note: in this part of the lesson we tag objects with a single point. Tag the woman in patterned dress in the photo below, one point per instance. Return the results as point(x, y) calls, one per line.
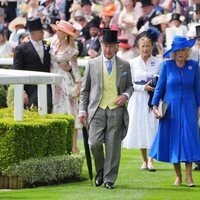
point(64, 61)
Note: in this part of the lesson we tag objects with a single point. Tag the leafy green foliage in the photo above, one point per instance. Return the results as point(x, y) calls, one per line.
point(10, 96)
point(3, 94)
point(37, 136)
point(31, 139)
point(47, 170)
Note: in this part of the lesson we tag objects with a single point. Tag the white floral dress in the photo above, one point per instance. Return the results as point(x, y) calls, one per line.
point(63, 102)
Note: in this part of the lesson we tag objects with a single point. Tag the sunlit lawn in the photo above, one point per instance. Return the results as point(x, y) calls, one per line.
point(132, 183)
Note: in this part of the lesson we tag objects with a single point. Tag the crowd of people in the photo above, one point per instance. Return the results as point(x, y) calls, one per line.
point(139, 52)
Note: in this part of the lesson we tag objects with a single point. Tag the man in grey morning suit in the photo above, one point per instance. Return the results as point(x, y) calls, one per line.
point(105, 90)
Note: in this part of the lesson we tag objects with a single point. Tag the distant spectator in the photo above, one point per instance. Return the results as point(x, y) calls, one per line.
point(68, 4)
point(126, 51)
point(128, 19)
point(3, 23)
point(93, 46)
point(80, 18)
point(107, 15)
point(149, 14)
point(47, 11)
point(22, 34)
point(87, 10)
point(5, 48)
point(15, 25)
point(34, 8)
point(10, 10)
point(176, 27)
point(192, 12)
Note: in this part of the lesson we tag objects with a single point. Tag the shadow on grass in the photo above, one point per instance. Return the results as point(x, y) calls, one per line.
point(167, 188)
point(65, 181)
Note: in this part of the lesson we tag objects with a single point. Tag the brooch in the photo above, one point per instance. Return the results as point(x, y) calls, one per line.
point(190, 67)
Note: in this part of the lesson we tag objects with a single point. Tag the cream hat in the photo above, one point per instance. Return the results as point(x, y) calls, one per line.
point(15, 22)
point(164, 19)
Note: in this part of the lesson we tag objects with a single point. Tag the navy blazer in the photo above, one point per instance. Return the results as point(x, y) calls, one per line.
point(96, 46)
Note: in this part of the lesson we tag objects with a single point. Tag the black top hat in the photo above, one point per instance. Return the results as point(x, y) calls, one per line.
point(86, 2)
point(197, 7)
point(175, 16)
point(198, 31)
point(94, 23)
point(110, 36)
point(34, 24)
point(146, 3)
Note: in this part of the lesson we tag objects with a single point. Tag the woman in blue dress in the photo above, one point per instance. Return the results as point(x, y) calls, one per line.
point(177, 137)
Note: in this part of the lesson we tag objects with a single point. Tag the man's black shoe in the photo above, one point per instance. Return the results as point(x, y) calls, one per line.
point(99, 178)
point(109, 185)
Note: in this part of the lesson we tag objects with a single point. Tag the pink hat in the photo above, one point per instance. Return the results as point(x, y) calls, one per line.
point(123, 42)
point(64, 26)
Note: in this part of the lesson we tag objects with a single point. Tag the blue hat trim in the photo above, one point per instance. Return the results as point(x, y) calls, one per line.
point(179, 42)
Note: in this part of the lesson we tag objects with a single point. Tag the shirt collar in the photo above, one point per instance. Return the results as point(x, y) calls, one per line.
point(106, 59)
point(94, 38)
point(34, 42)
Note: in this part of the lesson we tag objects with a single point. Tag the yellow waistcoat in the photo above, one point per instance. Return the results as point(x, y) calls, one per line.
point(109, 89)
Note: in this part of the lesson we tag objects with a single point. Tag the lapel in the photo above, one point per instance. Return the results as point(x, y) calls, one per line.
point(100, 72)
point(119, 69)
point(46, 51)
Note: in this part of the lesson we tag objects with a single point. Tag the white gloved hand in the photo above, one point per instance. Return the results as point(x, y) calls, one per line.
point(4, 2)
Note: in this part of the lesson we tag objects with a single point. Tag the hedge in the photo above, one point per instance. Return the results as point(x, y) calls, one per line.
point(37, 136)
point(47, 170)
point(8, 113)
point(31, 139)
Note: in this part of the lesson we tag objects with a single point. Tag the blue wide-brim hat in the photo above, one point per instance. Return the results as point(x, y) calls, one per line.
point(179, 42)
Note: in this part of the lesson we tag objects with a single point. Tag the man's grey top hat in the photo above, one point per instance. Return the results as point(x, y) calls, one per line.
point(34, 24)
point(198, 31)
point(110, 36)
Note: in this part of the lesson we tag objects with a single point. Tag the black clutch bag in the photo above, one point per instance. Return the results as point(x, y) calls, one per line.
point(153, 80)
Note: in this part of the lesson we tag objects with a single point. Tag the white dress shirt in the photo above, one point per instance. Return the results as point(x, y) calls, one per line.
point(39, 48)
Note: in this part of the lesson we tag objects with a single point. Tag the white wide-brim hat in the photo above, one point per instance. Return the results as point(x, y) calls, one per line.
point(15, 22)
point(164, 19)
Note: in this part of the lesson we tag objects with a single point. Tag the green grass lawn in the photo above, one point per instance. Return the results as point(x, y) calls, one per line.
point(132, 183)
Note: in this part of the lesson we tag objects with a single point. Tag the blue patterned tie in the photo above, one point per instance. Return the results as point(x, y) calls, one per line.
point(109, 66)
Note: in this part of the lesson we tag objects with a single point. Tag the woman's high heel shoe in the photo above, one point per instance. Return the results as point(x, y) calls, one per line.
point(190, 183)
point(177, 182)
point(144, 166)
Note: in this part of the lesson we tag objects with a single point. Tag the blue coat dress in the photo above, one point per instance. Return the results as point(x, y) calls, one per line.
point(177, 138)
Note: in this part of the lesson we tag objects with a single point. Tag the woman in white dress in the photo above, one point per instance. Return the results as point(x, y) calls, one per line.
point(128, 19)
point(6, 49)
point(142, 123)
point(64, 61)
